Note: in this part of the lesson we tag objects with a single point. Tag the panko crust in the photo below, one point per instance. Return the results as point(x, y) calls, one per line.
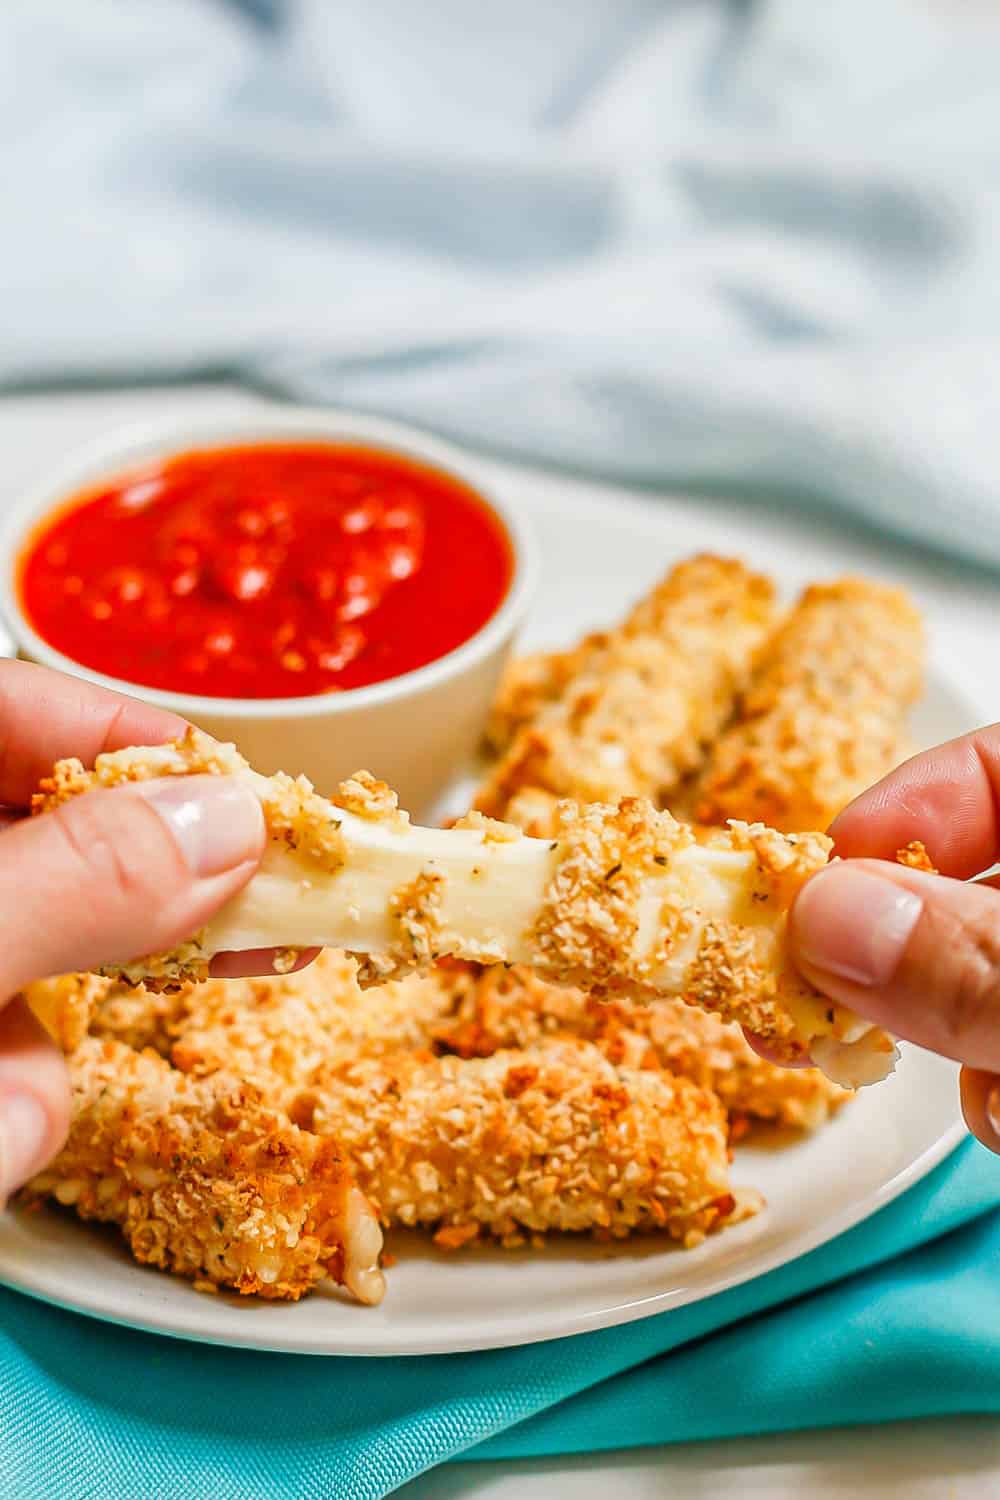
point(500, 1008)
point(642, 701)
point(589, 920)
point(278, 1032)
point(530, 683)
point(553, 1138)
point(296, 817)
point(206, 1180)
point(66, 1004)
point(825, 714)
point(586, 933)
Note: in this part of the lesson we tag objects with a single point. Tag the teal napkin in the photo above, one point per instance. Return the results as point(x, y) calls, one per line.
point(903, 1320)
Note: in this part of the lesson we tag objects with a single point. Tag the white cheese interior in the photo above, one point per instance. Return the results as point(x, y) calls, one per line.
point(490, 900)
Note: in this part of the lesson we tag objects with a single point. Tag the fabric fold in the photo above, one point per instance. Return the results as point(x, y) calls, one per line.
point(720, 247)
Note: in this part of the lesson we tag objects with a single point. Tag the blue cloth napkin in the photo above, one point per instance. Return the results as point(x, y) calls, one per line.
point(899, 1317)
point(743, 246)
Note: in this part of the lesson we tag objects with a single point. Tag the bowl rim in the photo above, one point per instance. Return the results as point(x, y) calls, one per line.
point(130, 443)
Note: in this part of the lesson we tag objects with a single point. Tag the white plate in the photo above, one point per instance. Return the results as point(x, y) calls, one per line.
point(598, 557)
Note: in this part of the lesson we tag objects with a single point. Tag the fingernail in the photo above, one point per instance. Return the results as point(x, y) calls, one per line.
point(216, 822)
point(993, 1111)
point(854, 924)
point(24, 1132)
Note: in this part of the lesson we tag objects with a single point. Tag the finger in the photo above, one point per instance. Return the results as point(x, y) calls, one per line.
point(46, 716)
point(981, 1106)
point(34, 1098)
point(763, 1050)
point(947, 797)
point(918, 954)
point(256, 961)
point(119, 873)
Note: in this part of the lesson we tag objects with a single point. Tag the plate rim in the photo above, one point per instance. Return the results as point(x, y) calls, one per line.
point(745, 1271)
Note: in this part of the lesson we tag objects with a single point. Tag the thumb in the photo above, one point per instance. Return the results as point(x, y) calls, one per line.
point(34, 1097)
point(118, 873)
point(917, 953)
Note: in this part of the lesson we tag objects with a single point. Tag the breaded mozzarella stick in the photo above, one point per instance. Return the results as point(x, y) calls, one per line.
point(206, 1180)
point(554, 1138)
point(632, 710)
point(825, 714)
point(625, 902)
point(499, 1008)
point(529, 684)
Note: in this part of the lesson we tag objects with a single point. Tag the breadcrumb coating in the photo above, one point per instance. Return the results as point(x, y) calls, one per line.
point(208, 1181)
point(915, 857)
point(588, 933)
point(65, 1005)
point(825, 713)
point(277, 1032)
point(271, 1031)
point(291, 1036)
point(529, 684)
point(138, 1016)
point(496, 1008)
point(552, 1138)
point(625, 902)
point(632, 711)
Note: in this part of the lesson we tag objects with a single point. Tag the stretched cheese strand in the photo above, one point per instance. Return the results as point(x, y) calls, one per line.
point(626, 901)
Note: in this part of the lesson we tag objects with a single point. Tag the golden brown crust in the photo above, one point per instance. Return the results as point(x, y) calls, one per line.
point(824, 716)
point(553, 1138)
point(204, 1178)
point(738, 969)
point(629, 903)
point(66, 1004)
point(529, 684)
point(496, 1008)
point(635, 709)
point(586, 931)
point(915, 857)
point(277, 1032)
point(369, 798)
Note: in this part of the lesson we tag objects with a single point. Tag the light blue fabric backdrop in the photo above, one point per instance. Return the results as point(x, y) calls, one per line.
point(749, 247)
point(724, 244)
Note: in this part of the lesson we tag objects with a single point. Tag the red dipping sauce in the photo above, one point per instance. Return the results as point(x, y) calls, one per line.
point(274, 570)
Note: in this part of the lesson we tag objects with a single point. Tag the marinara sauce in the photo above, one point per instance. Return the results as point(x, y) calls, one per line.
point(267, 571)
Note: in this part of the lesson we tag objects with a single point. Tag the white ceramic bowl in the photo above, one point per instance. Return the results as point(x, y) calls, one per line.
point(414, 731)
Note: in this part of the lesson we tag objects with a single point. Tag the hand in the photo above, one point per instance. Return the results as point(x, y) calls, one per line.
point(107, 876)
point(918, 953)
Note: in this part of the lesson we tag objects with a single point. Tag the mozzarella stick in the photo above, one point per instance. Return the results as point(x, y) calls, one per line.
point(278, 1031)
point(825, 714)
point(65, 1005)
point(496, 1008)
point(138, 1016)
point(634, 709)
point(208, 1182)
point(529, 684)
point(624, 902)
point(554, 1138)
